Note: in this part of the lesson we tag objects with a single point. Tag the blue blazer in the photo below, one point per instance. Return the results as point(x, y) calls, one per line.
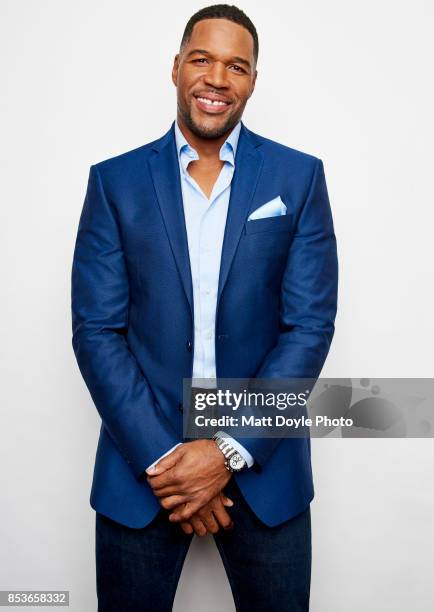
point(132, 312)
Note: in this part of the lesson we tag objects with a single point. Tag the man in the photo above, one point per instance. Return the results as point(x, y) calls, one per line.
point(207, 253)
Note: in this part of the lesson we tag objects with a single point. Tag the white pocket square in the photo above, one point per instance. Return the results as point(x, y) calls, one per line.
point(273, 208)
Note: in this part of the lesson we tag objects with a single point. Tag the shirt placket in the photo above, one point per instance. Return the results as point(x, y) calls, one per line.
point(209, 267)
point(206, 258)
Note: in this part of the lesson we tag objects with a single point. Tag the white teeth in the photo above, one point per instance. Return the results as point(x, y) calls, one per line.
point(212, 102)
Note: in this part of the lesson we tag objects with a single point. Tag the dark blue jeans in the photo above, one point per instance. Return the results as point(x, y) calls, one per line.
point(137, 570)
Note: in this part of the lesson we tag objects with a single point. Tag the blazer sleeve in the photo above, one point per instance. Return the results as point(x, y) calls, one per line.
point(308, 301)
point(100, 303)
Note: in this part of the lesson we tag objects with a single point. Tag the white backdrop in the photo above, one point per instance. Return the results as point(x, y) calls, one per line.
point(350, 82)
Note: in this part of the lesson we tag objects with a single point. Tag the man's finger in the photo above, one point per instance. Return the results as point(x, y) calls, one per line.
point(198, 526)
point(169, 503)
point(222, 515)
point(209, 520)
point(186, 527)
point(168, 491)
point(186, 512)
point(165, 479)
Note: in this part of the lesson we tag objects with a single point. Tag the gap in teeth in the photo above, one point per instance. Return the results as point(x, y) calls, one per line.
point(212, 102)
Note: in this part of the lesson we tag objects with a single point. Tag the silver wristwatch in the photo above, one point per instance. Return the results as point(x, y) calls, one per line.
point(234, 462)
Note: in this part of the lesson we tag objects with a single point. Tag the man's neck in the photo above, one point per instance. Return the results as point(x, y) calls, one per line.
point(208, 149)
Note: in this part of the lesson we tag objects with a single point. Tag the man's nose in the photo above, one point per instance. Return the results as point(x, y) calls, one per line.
point(217, 75)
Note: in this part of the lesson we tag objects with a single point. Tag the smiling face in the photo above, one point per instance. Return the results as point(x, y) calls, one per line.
point(214, 75)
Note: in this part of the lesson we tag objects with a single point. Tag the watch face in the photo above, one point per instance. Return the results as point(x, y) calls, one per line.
point(236, 462)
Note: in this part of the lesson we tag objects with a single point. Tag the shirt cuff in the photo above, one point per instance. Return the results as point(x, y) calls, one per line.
point(239, 448)
point(166, 453)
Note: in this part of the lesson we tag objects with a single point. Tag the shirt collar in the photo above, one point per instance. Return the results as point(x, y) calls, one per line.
point(227, 150)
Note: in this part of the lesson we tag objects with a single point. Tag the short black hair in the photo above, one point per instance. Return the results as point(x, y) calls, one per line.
point(222, 11)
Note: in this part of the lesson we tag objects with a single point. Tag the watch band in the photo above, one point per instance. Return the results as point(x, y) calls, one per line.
point(228, 451)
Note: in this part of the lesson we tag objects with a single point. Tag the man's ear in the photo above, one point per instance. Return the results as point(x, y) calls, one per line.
point(175, 69)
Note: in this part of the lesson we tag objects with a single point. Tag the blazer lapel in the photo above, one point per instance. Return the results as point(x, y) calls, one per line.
point(167, 183)
point(248, 165)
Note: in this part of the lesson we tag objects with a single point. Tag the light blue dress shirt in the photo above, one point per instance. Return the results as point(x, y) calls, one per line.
point(205, 221)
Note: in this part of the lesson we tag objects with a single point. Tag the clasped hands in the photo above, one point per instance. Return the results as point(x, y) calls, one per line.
point(189, 482)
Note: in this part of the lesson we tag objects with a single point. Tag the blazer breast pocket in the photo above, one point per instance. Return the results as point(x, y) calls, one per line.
point(281, 223)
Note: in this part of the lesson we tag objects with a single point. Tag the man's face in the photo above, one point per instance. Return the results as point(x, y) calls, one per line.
point(215, 76)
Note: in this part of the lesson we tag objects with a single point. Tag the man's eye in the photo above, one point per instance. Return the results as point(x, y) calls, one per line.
point(237, 68)
point(200, 59)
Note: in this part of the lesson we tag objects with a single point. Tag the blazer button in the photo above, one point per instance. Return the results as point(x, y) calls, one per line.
point(189, 346)
point(180, 407)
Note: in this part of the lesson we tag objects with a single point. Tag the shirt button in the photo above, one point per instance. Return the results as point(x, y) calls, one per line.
point(209, 335)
